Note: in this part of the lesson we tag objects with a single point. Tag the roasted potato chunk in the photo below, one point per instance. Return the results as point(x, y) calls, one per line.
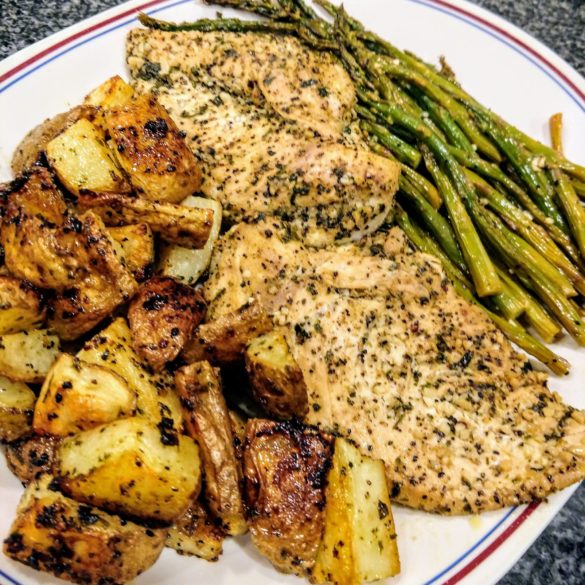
point(285, 467)
point(17, 402)
point(137, 245)
point(207, 420)
point(186, 264)
point(36, 248)
point(359, 542)
point(196, 533)
point(27, 356)
point(77, 396)
point(277, 381)
point(150, 148)
point(131, 467)
point(156, 399)
point(79, 543)
point(112, 93)
point(176, 224)
point(225, 339)
point(47, 245)
point(31, 456)
point(106, 285)
point(21, 306)
point(162, 317)
point(82, 161)
point(28, 151)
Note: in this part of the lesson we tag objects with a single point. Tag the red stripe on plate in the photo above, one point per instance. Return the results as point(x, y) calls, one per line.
point(516, 40)
point(493, 546)
point(74, 37)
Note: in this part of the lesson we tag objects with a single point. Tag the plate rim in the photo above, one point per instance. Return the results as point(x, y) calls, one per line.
point(35, 56)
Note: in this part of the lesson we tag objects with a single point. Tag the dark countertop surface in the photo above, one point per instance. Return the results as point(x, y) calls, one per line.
point(558, 556)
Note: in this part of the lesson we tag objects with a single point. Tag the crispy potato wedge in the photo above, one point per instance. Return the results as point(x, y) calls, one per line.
point(79, 543)
point(225, 339)
point(207, 420)
point(156, 399)
point(17, 402)
point(21, 306)
point(137, 245)
point(285, 467)
point(176, 224)
point(186, 264)
point(359, 542)
point(30, 147)
point(107, 284)
point(131, 467)
point(77, 396)
point(83, 162)
point(31, 456)
point(195, 533)
point(150, 148)
point(28, 356)
point(162, 317)
point(277, 381)
point(112, 93)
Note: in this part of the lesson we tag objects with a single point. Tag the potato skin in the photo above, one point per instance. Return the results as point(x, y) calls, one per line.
point(150, 148)
point(79, 543)
point(36, 248)
point(277, 381)
point(207, 420)
point(32, 456)
point(196, 533)
point(285, 469)
point(224, 340)
point(106, 285)
point(22, 306)
point(47, 245)
point(162, 317)
point(31, 146)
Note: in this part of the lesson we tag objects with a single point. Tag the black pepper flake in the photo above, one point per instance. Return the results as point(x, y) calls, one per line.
point(382, 510)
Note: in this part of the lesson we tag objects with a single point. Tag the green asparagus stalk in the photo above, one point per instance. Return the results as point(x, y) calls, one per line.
point(434, 221)
point(425, 243)
point(423, 185)
point(511, 302)
point(483, 272)
point(400, 149)
point(522, 222)
point(572, 206)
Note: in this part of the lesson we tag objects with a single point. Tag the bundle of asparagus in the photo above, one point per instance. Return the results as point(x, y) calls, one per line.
point(499, 209)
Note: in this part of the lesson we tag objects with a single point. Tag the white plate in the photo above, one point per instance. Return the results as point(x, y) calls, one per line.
point(502, 66)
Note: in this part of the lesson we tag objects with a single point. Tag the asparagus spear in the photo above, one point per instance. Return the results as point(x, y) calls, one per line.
point(435, 223)
point(425, 243)
point(482, 270)
point(423, 185)
point(400, 149)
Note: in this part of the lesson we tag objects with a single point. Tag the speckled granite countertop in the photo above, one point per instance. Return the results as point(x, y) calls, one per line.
point(558, 556)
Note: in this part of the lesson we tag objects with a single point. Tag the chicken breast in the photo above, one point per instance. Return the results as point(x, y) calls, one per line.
point(281, 153)
point(394, 359)
point(274, 71)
